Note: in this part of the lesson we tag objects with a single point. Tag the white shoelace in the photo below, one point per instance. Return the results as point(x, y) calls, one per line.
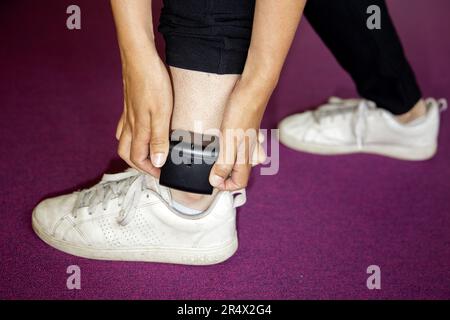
point(346, 108)
point(127, 187)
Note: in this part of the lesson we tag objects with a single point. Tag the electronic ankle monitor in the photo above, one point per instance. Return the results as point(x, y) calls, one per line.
point(190, 160)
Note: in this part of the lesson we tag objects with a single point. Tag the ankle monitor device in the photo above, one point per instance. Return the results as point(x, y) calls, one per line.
point(190, 160)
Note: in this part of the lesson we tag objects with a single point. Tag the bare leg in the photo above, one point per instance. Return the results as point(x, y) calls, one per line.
point(416, 112)
point(199, 98)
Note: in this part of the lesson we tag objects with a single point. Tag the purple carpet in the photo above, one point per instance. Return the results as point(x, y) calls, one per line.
point(308, 233)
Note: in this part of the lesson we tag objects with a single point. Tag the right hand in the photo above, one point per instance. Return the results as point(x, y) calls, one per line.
point(143, 128)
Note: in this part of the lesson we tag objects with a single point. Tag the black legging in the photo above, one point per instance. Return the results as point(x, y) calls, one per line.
point(373, 58)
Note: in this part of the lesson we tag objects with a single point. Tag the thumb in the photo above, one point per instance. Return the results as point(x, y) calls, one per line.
point(159, 140)
point(224, 166)
point(219, 173)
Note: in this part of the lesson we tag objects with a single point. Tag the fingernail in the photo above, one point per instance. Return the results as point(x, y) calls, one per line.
point(216, 180)
point(158, 159)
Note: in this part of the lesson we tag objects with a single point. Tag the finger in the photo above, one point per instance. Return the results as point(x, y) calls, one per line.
point(120, 126)
point(258, 155)
point(241, 169)
point(219, 174)
point(122, 121)
point(239, 177)
point(261, 153)
point(261, 137)
point(262, 156)
point(123, 149)
point(139, 151)
point(159, 140)
point(223, 167)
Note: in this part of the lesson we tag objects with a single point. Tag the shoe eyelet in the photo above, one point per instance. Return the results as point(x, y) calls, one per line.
point(148, 196)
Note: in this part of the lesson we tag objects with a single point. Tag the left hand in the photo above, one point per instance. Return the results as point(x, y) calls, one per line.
point(240, 141)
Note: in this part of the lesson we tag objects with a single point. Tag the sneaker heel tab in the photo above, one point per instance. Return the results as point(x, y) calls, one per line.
point(442, 104)
point(239, 198)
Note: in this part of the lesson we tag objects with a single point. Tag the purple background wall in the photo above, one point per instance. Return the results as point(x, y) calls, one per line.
point(309, 232)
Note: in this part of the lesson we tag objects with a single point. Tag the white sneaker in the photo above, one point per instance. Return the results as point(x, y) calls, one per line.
point(354, 125)
point(127, 216)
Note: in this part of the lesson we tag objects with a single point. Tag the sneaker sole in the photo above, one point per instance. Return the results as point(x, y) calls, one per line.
point(186, 256)
point(396, 152)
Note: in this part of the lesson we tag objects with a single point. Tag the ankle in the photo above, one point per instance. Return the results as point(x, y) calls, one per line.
point(192, 200)
point(418, 111)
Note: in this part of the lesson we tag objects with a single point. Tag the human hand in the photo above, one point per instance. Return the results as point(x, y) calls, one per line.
point(240, 146)
point(143, 128)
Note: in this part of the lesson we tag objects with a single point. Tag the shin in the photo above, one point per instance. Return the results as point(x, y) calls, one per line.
point(199, 103)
